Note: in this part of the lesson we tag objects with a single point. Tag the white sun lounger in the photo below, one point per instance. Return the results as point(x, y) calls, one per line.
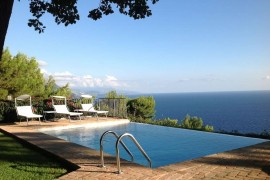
point(25, 111)
point(62, 109)
point(90, 109)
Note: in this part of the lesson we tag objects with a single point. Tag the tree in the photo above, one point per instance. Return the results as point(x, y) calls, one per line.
point(114, 103)
point(114, 94)
point(143, 107)
point(50, 87)
point(192, 122)
point(20, 75)
point(186, 122)
point(66, 12)
point(111, 94)
point(64, 91)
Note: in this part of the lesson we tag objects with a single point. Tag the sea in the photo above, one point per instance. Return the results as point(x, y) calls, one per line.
point(243, 112)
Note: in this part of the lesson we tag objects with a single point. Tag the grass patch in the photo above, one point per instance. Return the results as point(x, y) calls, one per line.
point(20, 162)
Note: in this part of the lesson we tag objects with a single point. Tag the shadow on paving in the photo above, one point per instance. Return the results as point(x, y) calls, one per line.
point(256, 156)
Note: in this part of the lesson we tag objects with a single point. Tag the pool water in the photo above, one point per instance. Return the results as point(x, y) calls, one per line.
point(164, 145)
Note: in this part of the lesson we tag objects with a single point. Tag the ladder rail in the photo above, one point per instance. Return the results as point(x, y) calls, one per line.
point(119, 140)
point(101, 146)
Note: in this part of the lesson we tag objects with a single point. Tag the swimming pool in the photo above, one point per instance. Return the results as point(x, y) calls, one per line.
point(164, 145)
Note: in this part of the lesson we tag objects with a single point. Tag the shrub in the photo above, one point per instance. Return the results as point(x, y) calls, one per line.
point(195, 123)
point(7, 112)
point(143, 107)
point(208, 128)
point(168, 122)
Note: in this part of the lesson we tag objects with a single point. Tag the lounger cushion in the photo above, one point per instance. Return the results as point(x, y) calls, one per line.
point(26, 111)
point(90, 108)
point(62, 109)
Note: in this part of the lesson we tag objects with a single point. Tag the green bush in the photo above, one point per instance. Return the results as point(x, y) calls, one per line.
point(161, 122)
point(167, 122)
point(208, 128)
point(7, 112)
point(143, 107)
point(195, 123)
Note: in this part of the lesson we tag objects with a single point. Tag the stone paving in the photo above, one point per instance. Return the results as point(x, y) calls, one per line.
point(252, 162)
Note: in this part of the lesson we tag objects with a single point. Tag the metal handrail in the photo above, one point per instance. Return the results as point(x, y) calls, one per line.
point(119, 140)
point(101, 146)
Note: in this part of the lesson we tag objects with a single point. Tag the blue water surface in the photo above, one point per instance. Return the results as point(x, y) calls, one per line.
point(164, 145)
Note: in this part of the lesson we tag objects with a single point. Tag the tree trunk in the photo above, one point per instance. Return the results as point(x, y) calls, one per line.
point(5, 13)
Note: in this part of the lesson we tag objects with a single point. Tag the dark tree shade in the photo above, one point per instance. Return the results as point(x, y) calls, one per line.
point(66, 12)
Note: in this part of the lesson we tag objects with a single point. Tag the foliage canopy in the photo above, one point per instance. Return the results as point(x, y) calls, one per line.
point(143, 107)
point(66, 12)
point(21, 75)
point(116, 104)
point(195, 123)
point(114, 94)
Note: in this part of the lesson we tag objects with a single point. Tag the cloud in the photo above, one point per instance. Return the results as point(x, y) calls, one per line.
point(42, 63)
point(112, 81)
point(267, 77)
point(63, 74)
point(90, 81)
point(205, 78)
point(184, 79)
point(65, 77)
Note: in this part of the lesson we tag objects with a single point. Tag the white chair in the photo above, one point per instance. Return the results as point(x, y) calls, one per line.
point(62, 109)
point(89, 107)
point(25, 111)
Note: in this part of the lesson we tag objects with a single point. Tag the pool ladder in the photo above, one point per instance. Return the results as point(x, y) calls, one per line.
point(119, 140)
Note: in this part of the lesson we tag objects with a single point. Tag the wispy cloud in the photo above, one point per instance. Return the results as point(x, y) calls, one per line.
point(42, 63)
point(65, 77)
point(205, 78)
point(184, 79)
point(267, 77)
point(112, 81)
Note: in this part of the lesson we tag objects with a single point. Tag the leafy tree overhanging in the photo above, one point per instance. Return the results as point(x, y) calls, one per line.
point(66, 12)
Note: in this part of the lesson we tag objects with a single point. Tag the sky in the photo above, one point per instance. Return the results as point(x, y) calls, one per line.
point(185, 46)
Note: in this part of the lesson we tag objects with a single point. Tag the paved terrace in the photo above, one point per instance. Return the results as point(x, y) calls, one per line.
point(252, 162)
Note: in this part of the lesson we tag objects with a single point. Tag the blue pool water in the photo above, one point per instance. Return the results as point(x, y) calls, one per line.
point(164, 145)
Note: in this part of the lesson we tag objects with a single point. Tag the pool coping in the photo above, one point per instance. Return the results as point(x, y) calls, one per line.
point(239, 163)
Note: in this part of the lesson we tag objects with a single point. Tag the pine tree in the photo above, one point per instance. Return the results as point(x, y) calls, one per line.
point(20, 75)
